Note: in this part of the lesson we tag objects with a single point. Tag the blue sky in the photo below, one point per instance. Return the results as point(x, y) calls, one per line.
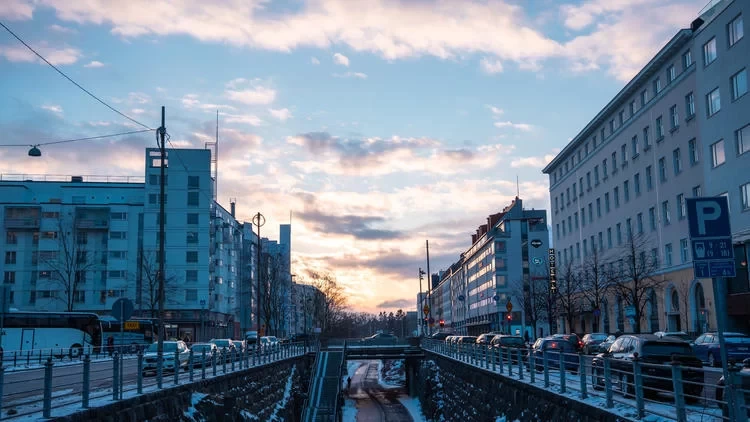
point(378, 123)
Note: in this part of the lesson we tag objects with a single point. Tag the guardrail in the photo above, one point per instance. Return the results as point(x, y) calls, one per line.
point(56, 390)
point(14, 360)
point(671, 391)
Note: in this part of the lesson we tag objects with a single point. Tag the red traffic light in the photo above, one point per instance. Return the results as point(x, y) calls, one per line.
point(442, 323)
point(510, 317)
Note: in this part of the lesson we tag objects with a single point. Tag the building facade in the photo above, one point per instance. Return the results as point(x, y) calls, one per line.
point(622, 183)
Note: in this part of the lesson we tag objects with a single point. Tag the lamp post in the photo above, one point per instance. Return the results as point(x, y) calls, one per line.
point(162, 132)
point(258, 220)
point(421, 302)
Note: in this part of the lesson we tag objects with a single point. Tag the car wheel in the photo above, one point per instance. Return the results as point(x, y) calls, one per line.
point(76, 351)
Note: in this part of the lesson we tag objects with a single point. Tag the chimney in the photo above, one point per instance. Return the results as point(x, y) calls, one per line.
point(232, 206)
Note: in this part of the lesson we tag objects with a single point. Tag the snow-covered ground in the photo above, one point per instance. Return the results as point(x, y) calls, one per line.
point(349, 412)
point(391, 374)
point(415, 409)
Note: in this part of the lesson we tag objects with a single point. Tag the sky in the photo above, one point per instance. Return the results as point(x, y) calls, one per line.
point(378, 124)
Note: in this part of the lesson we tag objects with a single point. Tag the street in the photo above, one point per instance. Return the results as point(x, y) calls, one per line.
point(375, 403)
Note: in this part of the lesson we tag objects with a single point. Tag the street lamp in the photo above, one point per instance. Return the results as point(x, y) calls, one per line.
point(258, 220)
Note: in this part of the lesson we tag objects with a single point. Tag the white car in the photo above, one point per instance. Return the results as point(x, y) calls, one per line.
point(170, 347)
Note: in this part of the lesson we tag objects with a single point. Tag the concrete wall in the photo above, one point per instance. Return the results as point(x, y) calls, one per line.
point(454, 391)
point(232, 397)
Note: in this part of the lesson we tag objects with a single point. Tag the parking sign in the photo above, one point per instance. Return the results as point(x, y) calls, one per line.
point(711, 237)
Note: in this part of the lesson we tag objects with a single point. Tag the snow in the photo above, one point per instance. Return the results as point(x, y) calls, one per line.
point(287, 394)
point(349, 412)
point(195, 398)
point(415, 409)
point(394, 377)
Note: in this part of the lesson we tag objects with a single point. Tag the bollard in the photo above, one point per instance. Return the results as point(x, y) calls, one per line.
point(115, 375)
point(191, 364)
point(139, 376)
point(638, 386)
point(203, 364)
point(520, 365)
point(679, 394)
point(563, 383)
point(582, 373)
point(86, 381)
point(47, 406)
point(545, 368)
point(177, 366)
point(608, 384)
point(532, 367)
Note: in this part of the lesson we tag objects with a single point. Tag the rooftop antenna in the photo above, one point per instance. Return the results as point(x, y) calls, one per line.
point(214, 148)
point(518, 188)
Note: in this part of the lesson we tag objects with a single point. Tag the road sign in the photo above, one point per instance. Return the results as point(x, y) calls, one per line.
point(536, 243)
point(122, 309)
point(711, 237)
point(552, 269)
point(537, 260)
point(509, 306)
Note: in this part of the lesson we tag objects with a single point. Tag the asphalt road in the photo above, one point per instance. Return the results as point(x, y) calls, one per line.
point(374, 403)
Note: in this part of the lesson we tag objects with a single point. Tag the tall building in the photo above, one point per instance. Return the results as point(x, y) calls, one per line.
point(619, 188)
point(307, 306)
point(80, 243)
point(505, 264)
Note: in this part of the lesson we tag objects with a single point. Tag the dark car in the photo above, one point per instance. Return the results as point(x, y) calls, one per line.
point(505, 340)
point(706, 347)
point(652, 351)
point(745, 376)
point(592, 341)
point(550, 348)
point(485, 339)
point(440, 336)
point(571, 338)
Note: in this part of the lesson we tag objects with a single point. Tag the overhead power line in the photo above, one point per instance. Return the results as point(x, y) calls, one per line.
point(89, 138)
point(72, 81)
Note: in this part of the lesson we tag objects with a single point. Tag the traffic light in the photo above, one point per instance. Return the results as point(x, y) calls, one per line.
point(442, 323)
point(510, 317)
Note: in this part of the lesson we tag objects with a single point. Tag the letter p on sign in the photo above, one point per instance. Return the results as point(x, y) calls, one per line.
point(707, 211)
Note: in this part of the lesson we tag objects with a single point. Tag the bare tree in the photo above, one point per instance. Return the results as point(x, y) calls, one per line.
point(72, 261)
point(334, 301)
point(531, 296)
point(568, 288)
point(149, 289)
point(594, 282)
point(634, 275)
point(683, 291)
point(275, 294)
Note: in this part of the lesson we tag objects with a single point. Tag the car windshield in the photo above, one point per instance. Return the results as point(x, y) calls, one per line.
point(168, 347)
point(598, 337)
point(666, 349)
point(738, 339)
point(201, 347)
point(511, 341)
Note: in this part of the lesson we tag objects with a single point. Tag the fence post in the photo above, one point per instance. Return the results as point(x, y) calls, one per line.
point(203, 364)
point(563, 382)
point(494, 358)
point(191, 364)
point(738, 398)
point(47, 406)
point(86, 381)
point(532, 366)
point(607, 383)
point(140, 371)
point(520, 365)
point(545, 367)
point(679, 393)
point(2, 381)
point(638, 386)
point(177, 366)
point(115, 375)
point(582, 373)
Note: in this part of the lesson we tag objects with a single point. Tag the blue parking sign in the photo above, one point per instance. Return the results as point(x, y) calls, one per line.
point(711, 237)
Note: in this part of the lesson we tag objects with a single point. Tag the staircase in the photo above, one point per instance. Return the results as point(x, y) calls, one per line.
point(325, 385)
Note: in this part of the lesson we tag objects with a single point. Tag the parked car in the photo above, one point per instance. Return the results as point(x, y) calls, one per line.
point(706, 347)
point(239, 346)
point(572, 339)
point(681, 335)
point(592, 341)
point(198, 353)
point(745, 377)
point(604, 346)
point(380, 339)
point(466, 340)
point(506, 340)
point(251, 336)
point(650, 350)
point(440, 336)
point(485, 339)
point(224, 344)
point(150, 357)
point(552, 347)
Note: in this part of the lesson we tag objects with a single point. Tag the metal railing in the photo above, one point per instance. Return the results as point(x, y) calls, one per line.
point(670, 390)
point(60, 387)
point(67, 178)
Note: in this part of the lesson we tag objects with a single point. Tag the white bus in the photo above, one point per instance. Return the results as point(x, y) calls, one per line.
point(71, 333)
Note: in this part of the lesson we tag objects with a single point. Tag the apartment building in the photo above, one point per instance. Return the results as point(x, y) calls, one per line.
point(623, 180)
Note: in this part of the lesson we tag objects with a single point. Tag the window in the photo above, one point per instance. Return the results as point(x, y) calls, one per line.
point(192, 237)
point(118, 235)
point(194, 182)
point(576, 219)
point(637, 184)
point(628, 228)
point(626, 190)
point(598, 208)
point(739, 84)
point(635, 146)
point(558, 229)
point(153, 179)
point(617, 196)
point(632, 108)
point(609, 237)
point(665, 214)
point(591, 212)
point(639, 222)
point(580, 186)
point(652, 218)
point(717, 153)
point(657, 86)
point(118, 254)
point(596, 175)
point(684, 251)
point(574, 192)
point(588, 180)
point(191, 295)
point(192, 218)
point(604, 168)
point(713, 102)
point(709, 52)
point(655, 256)
point(745, 196)
point(583, 217)
point(674, 117)
point(693, 152)
point(191, 256)
point(193, 199)
point(742, 138)
point(601, 241)
point(662, 170)
point(649, 178)
point(659, 129)
point(10, 257)
point(614, 162)
point(117, 274)
point(687, 59)
point(646, 141)
point(622, 117)
point(644, 97)
point(619, 233)
point(697, 191)
point(51, 214)
point(153, 198)
point(119, 216)
point(690, 106)
point(606, 202)
point(668, 255)
point(601, 134)
point(567, 195)
point(9, 277)
point(736, 30)
point(677, 161)
point(671, 73)
point(624, 155)
point(612, 126)
point(681, 206)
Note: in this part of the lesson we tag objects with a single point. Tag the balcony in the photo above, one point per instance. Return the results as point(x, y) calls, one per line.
point(22, 218)
point(92, 218)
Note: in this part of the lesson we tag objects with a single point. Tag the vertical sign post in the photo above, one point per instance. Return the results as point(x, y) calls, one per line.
point(552, 270)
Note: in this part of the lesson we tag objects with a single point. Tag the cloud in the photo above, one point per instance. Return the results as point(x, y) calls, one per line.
point(53, 108)
point(137, 111)
point(315, 61)
point(357, 226)
point(520, 126)
point(341, 59)
point(495, 110)
point(191, 101)
point(397, 303)
point(16, 10)
point(93, 64)
point(61, 29)
point(282, 114)
point(254, 94)
point(138, 98)
point(249, 119)
point(534, 162)
point(56, 56)
point(491, 66)
point(357, 75)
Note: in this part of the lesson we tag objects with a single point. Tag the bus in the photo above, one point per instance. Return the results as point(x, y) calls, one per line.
point(71, 333)
point(137, 332)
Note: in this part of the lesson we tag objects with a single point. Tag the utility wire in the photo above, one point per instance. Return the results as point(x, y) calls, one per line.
point(72, 81)
point(78, 139)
